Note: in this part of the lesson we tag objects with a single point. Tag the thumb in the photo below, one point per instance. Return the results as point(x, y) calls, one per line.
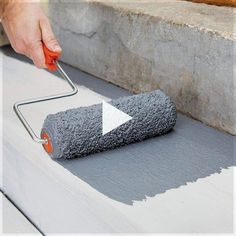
point(48, 37)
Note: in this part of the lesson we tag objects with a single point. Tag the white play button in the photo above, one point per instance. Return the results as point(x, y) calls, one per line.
point(112, 118)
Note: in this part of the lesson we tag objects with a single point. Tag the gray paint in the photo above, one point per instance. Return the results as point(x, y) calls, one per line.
point(78, 132)
point(142, 170)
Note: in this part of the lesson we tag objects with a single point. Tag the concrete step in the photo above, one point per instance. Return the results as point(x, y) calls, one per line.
point(13, 221)
point(184, 48)
point(181, 182)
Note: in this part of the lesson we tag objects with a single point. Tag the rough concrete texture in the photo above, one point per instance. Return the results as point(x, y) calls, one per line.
point(78, 132)
point(184, 48)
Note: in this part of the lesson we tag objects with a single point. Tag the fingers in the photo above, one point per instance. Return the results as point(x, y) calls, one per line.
point(37, 55)
point(28, 28)
point(30, 47)
point(48, 36)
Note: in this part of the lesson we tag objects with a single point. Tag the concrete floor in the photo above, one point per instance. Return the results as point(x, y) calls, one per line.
point(181, 182)
point(13, 221)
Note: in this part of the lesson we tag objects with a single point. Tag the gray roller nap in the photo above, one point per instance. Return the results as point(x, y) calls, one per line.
point(78, 132)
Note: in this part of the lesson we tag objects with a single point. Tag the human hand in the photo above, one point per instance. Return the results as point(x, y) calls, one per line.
point(27, 28)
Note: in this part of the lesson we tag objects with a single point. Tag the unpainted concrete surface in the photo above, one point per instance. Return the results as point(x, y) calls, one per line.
point(13, 222)
point(184, 48)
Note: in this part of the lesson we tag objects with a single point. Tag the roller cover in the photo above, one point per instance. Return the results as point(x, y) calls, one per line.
point(78, 132)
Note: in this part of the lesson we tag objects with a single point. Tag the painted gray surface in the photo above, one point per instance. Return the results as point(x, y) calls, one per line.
point(183, 48)
point(78, 132)
point(146, 169)
point(181, 182)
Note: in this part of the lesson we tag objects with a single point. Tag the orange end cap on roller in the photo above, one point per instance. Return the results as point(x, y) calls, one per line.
point(47, 146)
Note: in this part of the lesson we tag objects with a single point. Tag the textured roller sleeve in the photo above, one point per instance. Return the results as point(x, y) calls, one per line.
point(78, 132)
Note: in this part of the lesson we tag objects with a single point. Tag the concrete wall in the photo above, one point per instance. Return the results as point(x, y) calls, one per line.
point(184, 48)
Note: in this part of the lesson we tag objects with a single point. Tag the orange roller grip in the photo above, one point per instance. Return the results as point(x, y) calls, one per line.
point(50, 58)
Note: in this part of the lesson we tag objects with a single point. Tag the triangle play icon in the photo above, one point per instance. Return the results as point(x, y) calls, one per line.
point(112, 118)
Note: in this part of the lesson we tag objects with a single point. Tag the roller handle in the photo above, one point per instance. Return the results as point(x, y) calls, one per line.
point(50, 58)
point(52, 64)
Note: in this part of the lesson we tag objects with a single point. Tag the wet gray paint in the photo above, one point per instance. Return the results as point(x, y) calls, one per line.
point(78, 132)
point(146, 169)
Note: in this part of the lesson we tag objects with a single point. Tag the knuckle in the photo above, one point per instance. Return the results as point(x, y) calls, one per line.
point(51, 40)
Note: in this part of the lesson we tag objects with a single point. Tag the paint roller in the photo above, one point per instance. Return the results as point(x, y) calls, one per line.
point(78, 132)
